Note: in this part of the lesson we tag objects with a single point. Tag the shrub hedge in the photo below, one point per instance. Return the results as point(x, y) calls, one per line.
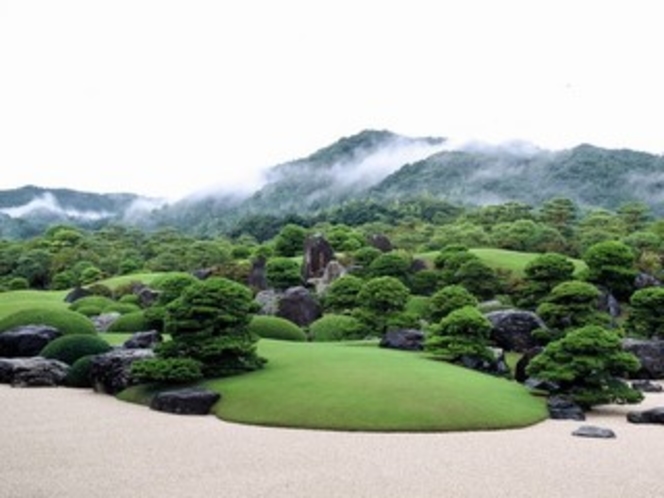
point(70, 348)
point(273, 327)
point(66, 321)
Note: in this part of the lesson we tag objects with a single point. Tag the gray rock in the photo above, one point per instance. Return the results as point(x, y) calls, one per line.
point(496, 366)
point(653, 416)
point(299, 306)
point(109, 372)
point(189, 401)
point(32, 372)
point(404, 339)
point(562, 408)
point(268, 302)
point(644, 280)
point(541, 385)
point(609, 304)
point(143, 340)
point(594, 432)
point(27, 340)
point(512, 330)
point(258, 276)
point(146, 296)
point(380, 242)
point(645, 386)
point(650, 353)
point(333, 271)
point(105, 320)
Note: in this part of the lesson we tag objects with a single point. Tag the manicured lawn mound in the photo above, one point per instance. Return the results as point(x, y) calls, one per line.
point(131, 322)
point(67, 322)
point(70, 348)
point(341, 387)
point(13, 301)
point(273, 327)
point(333, 327)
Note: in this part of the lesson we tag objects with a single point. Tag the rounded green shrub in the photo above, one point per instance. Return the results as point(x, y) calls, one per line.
point(131, 322)
point(66, 321)
point(274, 327)
point(70, 348)
point(79, 373)
point(167, 370)
point(418, 305)
point(122, 308)
point(90, 310)
point(171, 285)
point(333, 327)
point(18, 283)
point(99, 302)
point(130, 299)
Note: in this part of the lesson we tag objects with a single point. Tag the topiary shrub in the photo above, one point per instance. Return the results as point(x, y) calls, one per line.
point(171, 286)
point(418, 305)
point(342, 293)
point(18, 283)
point(66, 321)
point(131, 322)
point(99, 302)
point(167, 370)
point(274, 327)
point(100, 290)
point(448, 299)
point(79, 373)
point(70, 348)
point(464, 332)
point(90, 310)
point(130, 299)
point(333, 327)
point(122, 308)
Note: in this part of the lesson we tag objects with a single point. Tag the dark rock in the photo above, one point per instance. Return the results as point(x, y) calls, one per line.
point(268, 301)
point(317, 255)
point(645, 386)
point(109, 372)
point(257, 275)
point(143, 340)
point(652, 416)
point(203, 273)
point(594, 432)
point(76, 294)
point(650, 353)
point(512, 329)
point(418, 265)
point(26, 340)
point(644, 280)
point(299, 306)
point(104, 321)
point(609, 304)
point(562, 408)
point(32, 372)
point(188, 401)
point(380, 242)
point(520, 374)
point(541, 385)
point(405, 339)
point(496, 366)
point(146, 296)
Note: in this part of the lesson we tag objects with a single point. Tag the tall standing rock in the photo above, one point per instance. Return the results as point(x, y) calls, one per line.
point(317, 255)
point(257, 275)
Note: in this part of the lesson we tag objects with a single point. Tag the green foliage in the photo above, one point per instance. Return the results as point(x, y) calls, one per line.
point(390, 264)
point(364, 256)
point(425, 282)
point(130, 299)
point(18, 283)
point(90, 310)
point(66, 321)
point(290, 241)
point(646, 318)
point(283, 273)
point(79, 373)
point(99, 302)
point(542, 274)
point(167, 370)
point(131, 322)
point(331, 327)
point(447, 253)
point(418, 305)
point(274, 327)
point(588, 364)
point(611, 264)
point(342, 294)
point(70, 348)
point(448, 299)
point(478, 278)
point(463, 332)
point(384, 295)
point(171, 286)
point(122, 308)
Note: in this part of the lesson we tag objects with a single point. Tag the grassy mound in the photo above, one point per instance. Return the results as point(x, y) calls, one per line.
point(273, 327)
point(346, 387)
point(99, 302)
point(66, 321)
point(333, 327)
point(13, 301)
point(70, 348)
point(131, 322)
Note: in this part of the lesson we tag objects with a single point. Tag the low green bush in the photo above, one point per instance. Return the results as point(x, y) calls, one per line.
point(99, 302)
point(333, 327)
point(130, 299)
point(79, 373)
point(131, 322)
point(70, 348)
point(122, 308)
point(167, 370)
point(418, 305)
point(273, 327)
point(90, 310)
point(66, 321)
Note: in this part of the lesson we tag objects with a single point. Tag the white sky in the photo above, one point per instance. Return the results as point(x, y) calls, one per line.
point(165, 97)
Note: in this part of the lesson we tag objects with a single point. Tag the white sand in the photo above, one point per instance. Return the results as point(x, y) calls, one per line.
point(74, 443)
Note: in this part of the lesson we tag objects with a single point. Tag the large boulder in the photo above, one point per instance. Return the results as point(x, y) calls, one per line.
point(563, 408)
point(146, 296)
point(109, 372)
point(299, 306)
point(646, 386)
point(404, 339)
point(333, 271)
point(644, 280)
point(26, 340)
point(268, 302)
point(32, 372)
point(257, 275)
point(512, 330)
point(650, 353)
point(317, 254)
point(609, 304)
point(189, 401)
point(652, 416)
point(520, 374)
point(105, 320)
point(496, 366)
point(143, 340)
point(380, 242)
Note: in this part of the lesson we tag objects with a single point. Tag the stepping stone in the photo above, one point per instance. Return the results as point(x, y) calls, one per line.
point(594, 432)
point(188, 401)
